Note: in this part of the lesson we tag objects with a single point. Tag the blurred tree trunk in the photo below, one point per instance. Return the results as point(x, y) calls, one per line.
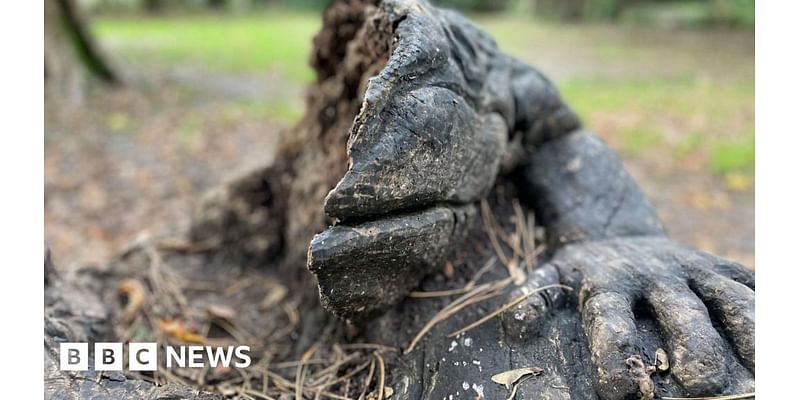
point(217, 4)
point(71, 56)
point(573, 10)
point(620, 6)
point(565, 10)
point(722, 12)
point(153, 6)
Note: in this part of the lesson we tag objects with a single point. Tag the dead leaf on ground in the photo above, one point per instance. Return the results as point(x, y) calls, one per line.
point(738, 182)
point(509, 378)
point(275, 295)
point(387, 392)
point(135, 294)
point(662, 361)
point(516, 273)
point(221, 312)
point(178, 330)
point(449, 271)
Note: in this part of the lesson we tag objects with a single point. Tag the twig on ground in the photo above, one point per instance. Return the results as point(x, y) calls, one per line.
point(368, 380)
point(479, 293)
point(492, 231)
point(301, 371)
point(451, 292)
point(505, 307)
point(382, 375)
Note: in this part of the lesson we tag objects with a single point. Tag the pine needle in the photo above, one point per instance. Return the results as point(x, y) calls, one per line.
point(492, 231)
point(506, 307)
point(479, 293)
point(367, 381)
point(382, 375)
point(469, 286)
point(301, 373)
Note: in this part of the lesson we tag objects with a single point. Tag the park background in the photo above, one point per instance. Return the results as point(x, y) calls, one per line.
point(209, 85)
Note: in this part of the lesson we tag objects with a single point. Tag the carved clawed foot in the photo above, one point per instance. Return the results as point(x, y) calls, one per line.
point(703, 306)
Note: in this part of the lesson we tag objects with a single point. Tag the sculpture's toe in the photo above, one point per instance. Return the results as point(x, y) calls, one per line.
point(611, 332)
point(696, 350)
point(734, 305)
point(522, 321)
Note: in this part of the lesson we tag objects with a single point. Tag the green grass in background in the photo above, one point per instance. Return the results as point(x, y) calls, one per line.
point(738, 155)
point(637, 140)
point(279, 40)
point(680, 117)
point(683, 114)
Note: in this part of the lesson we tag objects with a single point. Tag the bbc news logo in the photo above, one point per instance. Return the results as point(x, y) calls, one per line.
point(144, 356)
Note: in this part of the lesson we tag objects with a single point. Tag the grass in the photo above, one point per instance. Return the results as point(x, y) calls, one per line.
point(683, 95)
point(279, 41)
point(734, 155)
point(650, 93)
point(635, 141)
point(680, 118)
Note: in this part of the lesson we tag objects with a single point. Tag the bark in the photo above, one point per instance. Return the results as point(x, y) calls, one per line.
point(217, 4)
point(72, 57)
point(153, 6)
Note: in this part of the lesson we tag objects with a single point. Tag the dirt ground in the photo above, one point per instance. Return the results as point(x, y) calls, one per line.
point(138, 158)
point(135, 160)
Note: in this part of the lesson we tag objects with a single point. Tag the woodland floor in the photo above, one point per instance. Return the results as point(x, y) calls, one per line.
point(207, 98)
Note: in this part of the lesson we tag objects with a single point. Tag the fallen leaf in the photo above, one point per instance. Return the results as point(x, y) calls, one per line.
point(516, 273)
point(176, 329)
point(738, 182)
point(509, 378)
point(276, 294)
point(221, 312)
point(449, 270)
point(387, 392)
point(662, 361)
point(135, 294)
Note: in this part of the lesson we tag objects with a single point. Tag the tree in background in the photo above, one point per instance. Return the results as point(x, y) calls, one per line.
point(71, 55)
point(475, 5)
point(153, 6)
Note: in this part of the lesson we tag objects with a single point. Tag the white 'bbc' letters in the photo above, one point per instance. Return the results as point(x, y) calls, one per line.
point(108, 356)
point(143, 356)
point(74, 356)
